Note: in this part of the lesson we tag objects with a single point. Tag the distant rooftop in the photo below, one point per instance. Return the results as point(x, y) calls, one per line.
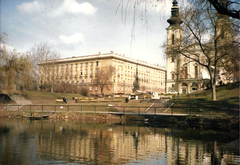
point(103, 56)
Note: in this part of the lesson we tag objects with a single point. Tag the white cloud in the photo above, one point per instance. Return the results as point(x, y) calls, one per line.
point(73, 39)
point(73, 7)
point(30, 7)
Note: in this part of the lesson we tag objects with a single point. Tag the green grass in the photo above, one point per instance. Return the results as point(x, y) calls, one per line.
point(201, 101)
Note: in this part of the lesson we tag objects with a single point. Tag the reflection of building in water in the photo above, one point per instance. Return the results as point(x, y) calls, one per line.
point(121, 146)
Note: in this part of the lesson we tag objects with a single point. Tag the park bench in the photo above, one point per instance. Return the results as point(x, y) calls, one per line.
point(59, 100)
point(166, 97)
point(105, 101)
point(93, 100)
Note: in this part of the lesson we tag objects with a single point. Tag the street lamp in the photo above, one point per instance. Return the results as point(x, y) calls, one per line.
point(52, 86)
point(177, 84)
point(190, 83)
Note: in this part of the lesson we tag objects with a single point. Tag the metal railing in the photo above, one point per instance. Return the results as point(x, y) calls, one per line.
point(180, 110)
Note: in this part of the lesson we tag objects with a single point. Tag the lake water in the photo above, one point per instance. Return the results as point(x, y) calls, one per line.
point(24, 142)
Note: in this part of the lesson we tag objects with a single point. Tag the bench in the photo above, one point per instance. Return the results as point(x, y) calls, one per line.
point(166, 97)
point(59, 100)
point(105, 101)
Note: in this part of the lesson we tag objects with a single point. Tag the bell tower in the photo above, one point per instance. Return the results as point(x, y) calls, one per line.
point(174, 31)
point(174, 38)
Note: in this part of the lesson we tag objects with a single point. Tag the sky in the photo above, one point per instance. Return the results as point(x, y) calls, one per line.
point(87, 27)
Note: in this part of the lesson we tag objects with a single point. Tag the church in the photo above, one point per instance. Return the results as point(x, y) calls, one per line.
point(185, 75)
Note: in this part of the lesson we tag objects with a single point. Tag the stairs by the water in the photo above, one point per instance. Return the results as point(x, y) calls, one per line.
point(20, 100)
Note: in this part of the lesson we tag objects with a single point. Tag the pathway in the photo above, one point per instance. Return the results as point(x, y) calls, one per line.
point(20, 100)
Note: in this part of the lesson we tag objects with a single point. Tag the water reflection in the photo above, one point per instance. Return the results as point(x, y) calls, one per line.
point(65, 142)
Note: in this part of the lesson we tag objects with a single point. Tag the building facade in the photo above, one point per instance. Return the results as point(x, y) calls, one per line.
point(82, 71)
point(185, 75)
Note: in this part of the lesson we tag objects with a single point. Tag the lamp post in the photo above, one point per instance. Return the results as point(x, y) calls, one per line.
point(177, 85)
point(124, 87)
point(52, 86)
point(190, 83)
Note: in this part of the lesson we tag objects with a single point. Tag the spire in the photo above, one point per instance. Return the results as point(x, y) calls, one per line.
point(175, 3)
point(175, 19)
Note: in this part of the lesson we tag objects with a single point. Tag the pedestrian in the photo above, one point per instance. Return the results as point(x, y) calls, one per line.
point(64, 99)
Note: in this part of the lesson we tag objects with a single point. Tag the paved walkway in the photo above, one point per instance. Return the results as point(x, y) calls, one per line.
point(20, 100)
point(158, 106)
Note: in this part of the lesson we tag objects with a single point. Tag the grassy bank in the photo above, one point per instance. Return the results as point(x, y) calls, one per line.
point(227, 102)
point(199, 102)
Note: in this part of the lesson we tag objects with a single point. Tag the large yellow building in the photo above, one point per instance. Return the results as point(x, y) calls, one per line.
point(82, 70)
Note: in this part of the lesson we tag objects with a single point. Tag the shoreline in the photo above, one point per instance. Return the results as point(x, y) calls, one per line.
point(181, 122)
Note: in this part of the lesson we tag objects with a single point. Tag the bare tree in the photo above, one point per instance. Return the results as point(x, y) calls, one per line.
point(226, 7)
point(103, 77)
point(207, 41)
point(42, 53)
point(143, 87)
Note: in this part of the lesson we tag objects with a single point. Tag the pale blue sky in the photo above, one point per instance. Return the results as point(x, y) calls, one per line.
point(85, 27)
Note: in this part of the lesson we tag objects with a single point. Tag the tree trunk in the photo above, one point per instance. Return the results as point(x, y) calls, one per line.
point(214, 97)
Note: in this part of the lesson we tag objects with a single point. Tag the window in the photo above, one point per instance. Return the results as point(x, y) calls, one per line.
point(86, 64)
point(186, 72)
point(172, 85)
point(85, 79)
point(172, 39)
point(86, 71)
point(71, 66)
point(91, 71)
point(80, 72)
point(172, 76)
point(96, 88)
point(172, 59)
point(76, 65)
point(196, 71)
point(91, 63)
point(90, 88)
point(97, 63)
point(91, 79)
point(81, 65)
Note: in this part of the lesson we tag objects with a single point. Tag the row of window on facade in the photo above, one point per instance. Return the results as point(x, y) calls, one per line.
point(76, 65)
point(186, 73)
point(133, 66)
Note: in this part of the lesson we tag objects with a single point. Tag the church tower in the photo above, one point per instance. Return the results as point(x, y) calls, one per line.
point(224, 26)
point(174, 37)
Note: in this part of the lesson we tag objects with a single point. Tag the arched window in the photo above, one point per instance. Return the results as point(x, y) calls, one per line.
point(172, 39)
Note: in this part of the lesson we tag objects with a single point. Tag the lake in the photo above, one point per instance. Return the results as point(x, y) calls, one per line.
point(39, 142)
